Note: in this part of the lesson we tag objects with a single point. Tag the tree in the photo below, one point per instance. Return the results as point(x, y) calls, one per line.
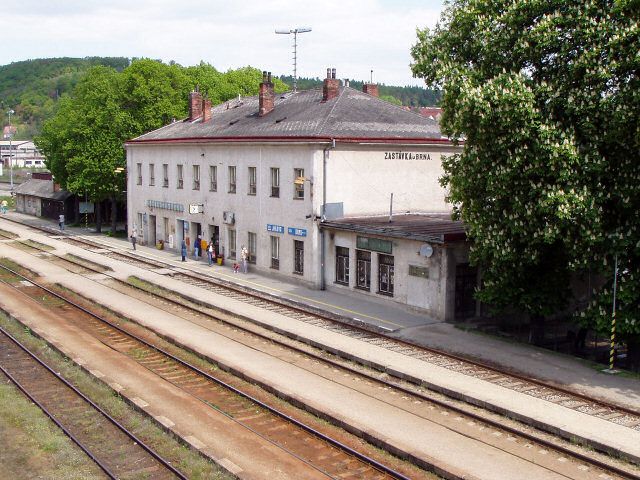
point(544, 96)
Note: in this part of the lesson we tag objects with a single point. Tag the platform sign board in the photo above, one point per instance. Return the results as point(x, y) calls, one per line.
point(297, 232)
point(275, 228)
point(86, 207)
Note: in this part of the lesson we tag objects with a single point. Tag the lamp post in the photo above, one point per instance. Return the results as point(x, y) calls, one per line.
point(295, 32)
point(11, 112)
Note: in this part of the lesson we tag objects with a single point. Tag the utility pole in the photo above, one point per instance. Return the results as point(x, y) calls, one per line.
point(295, 32)
point(11, 112)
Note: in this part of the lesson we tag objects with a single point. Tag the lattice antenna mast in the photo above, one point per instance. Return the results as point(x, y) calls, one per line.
point(295, 32)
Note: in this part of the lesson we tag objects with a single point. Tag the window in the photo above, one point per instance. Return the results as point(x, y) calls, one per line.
point(363, 270)
point(342, 265)
point(298, 257)
point(232, 179)
point(196, 177)
point(275, 182)
point(298, 184)
point(253, 244)
point(232, 243)
point(180, 177)
point(213, 178)
point(385, 274)
point(152, 174)
point(139, 170)
point(252, 180)
point(165, 175)
point(275, 252)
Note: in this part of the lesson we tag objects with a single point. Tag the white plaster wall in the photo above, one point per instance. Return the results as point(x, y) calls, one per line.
point(252, 212)
point(364, 177)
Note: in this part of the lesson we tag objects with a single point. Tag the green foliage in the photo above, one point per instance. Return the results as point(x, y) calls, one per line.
point(83, 141)
point(545, 95)
point(33, 87)
point(408, 96)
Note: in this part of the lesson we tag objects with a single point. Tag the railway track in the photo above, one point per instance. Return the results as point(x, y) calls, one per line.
point(329, 456)
point(117, 451)
point(568, 399)
point(520, 383)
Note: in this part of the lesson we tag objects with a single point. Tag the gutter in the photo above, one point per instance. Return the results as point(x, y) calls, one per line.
point(325, 156)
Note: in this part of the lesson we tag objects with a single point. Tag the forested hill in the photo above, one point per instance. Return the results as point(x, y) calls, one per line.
point(408, 96)
point(31, 87)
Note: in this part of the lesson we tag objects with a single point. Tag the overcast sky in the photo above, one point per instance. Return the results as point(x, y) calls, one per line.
point(354, 36)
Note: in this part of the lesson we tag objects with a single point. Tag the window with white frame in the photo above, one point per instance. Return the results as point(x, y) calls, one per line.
point(275, 252)
point(253, 180)
point(253, 246)
point(152, 174)
point(180, 177)
point(342, 265)
point(275, 182)
point(196, 177)
point(139, 172)
point(165, 175)
point(232, 179)
point(298, 184)
point(213, 178)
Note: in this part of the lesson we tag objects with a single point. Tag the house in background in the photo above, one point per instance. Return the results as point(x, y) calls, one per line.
point(22, 153)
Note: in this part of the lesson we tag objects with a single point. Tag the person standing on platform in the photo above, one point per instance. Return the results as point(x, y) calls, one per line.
point(4, 206)
point(196, 247)
point(183, 250)
point(244, 256)
point(134, 236)
point(210, 253)
point(61, 221)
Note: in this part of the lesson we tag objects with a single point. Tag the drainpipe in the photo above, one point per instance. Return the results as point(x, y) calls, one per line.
point(325, 155)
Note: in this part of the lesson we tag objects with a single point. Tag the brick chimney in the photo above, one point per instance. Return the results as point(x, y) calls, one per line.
point(331, 85)
point(266, 96)
point(371, 89)
point(206, 109)
point(195, 105)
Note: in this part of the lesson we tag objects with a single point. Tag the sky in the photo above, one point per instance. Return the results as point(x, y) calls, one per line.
point(353, 36)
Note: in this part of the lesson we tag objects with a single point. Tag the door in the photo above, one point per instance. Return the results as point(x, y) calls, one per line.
point(466, 281)
point(152, 230)
point(298, 260)
point(363, 270)
point(385, 274)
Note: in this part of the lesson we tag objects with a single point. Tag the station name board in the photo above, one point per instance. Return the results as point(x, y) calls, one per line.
point(407, 156)
point(275, 228)
point(297, 232)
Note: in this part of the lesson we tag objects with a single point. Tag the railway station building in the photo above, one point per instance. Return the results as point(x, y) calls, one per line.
point(333, 187)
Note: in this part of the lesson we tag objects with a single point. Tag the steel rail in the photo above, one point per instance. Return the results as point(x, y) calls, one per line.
point(131, 435)
point(365, 459)
point(458, 410)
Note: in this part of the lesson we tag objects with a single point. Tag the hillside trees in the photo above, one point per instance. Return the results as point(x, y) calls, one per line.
point(545, 95)
point(83, 141)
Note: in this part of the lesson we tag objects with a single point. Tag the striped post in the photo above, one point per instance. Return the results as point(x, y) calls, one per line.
point(612, 353)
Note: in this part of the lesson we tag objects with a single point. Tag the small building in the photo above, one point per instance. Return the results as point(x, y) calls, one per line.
point(420, 260)
point(42, 197)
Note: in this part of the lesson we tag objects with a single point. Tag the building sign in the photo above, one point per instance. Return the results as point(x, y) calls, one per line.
point(417, 271)
point(275, 228)
point(407, 156)
point(374, 244)
point(196, 208)
point(176, 207)
point(298, 232)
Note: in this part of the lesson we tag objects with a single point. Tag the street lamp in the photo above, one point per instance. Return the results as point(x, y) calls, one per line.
point(295, 32)
point(11, 112)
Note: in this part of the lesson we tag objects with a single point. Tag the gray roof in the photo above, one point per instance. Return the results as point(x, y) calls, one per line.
point(351, 115)
point(435, 228)
point(41, 189)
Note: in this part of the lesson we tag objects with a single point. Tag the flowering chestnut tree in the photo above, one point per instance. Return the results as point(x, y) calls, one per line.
point(545, 97)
